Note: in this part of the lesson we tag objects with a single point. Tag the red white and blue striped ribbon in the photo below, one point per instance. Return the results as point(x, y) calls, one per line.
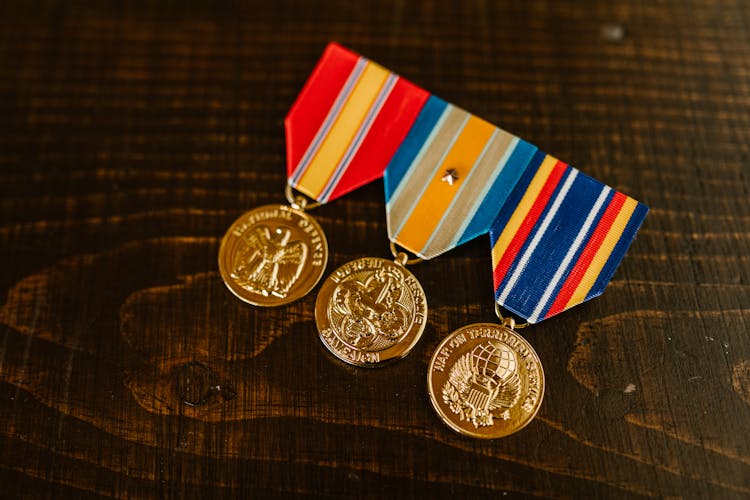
point(558, 239)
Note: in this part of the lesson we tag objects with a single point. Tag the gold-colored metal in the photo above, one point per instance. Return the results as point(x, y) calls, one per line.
point(450, 176)
point(298, 201)
point(508, 321)
point(402, 257)
point(370, 311)
point(273, 255)
point(485, 381)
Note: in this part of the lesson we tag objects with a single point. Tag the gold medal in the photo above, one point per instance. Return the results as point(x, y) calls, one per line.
point(273, 255)
point(485, 380)
point(557, 234)
point(370, 311)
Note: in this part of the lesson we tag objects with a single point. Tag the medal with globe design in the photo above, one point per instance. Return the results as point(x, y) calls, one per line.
point(485, 381)
point(483, 384)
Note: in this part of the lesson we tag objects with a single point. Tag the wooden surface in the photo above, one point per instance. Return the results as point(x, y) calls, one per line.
point(132, 135)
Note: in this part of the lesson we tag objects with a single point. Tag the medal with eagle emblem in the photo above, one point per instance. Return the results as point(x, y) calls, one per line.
point(341, 132)
point(273, 255)
point(485, 380)
point(370, 311)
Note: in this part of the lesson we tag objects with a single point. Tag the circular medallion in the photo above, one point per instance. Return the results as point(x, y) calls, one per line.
point(485, 381)
point(273, 255)
point(370, 311)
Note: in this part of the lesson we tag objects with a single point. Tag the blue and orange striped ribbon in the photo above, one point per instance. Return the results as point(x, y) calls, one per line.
point(449, 178)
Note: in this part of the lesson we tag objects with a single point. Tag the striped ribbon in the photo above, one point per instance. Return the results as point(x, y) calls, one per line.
point(557, 235)
point(558, 239)
point(449, 178)
point(346, 124)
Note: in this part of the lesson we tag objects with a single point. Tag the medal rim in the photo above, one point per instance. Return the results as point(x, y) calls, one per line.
point(291, 298)
point(447, 420)
point(321, 311)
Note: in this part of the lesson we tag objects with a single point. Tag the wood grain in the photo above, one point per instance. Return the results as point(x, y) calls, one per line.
point(133, 134)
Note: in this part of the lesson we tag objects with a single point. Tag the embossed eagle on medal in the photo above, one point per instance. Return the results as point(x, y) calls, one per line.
point(272, 255)
point(370, 311)
point(485, 381)
point(267, 262)
point(484, 384)
point(372, 314)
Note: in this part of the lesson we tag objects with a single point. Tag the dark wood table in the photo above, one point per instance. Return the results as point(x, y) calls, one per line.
point(133, 134)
